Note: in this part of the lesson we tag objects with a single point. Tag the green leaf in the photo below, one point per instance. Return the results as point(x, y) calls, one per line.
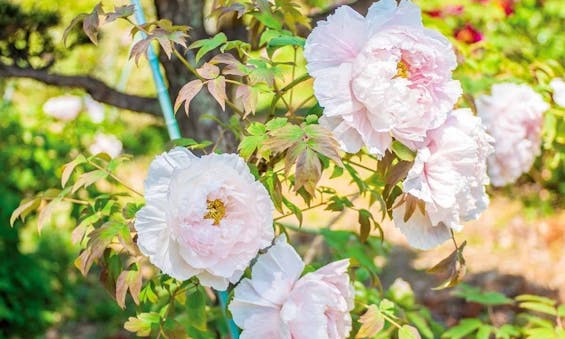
point(69, 167)
point(474, 294)
point(196, 309)
point(87, 179)
point(287, 41)
point(402, 152)
point(206, 45)
point(536, 298)
point(141, 325)
point(294, 209)
point(538, 307)
point(408, 332)
point(484, 332)
point(276, 123)
point(131, 209)
point(464, 328)
point(365, 224)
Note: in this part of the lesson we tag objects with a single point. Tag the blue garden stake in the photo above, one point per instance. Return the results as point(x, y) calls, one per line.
point(174, 133)
point(162, 93)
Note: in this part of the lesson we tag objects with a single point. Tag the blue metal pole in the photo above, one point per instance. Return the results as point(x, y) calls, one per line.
point(162, 93)
point(174, 133)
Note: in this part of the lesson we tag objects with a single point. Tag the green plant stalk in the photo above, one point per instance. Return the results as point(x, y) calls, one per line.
point(174, 133)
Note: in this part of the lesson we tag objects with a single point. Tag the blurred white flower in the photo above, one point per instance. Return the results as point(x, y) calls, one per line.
point(381, 76)
point(106, 143)
point(94, 109)
point(65, 107)
point(277, 303)
point(205, 217)
point(449, 177)
point(558, 87)
point(512, 115)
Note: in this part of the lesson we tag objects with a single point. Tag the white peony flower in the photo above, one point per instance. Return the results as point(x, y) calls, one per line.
point(205, 217)
point(106, 143)
point(382, 76)
point(512, 115)
point(94, 109)
point(65, 107)
point(277, 303)
point(449, 176)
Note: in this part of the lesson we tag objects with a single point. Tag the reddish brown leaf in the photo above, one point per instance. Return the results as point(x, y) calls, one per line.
point(217, 89)
point(128, 280)
point(91, 23)
point(308, 171)
point(187, 93)
point(139, 49)
point(247, 98)
point(208, 71)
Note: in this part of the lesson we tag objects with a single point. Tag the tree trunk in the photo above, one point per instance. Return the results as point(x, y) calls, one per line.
point(191, 13)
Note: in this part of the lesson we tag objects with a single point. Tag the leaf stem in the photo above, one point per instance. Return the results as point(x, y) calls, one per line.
point(115, 177)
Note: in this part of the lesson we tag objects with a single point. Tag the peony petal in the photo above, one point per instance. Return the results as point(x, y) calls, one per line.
point(336, 40)
point(418, 230)
point(388, 13)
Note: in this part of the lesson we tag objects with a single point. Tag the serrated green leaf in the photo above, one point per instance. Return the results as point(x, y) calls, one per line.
point(207, 45)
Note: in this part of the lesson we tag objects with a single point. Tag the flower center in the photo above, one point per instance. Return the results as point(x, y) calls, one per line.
point(401, 69)
point(216, 210)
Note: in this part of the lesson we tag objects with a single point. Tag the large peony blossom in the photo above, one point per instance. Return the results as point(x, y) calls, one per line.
point(204, 217)
point(448, 176)
point(558, 87)
point(106, 143)
point(382, 76)
point(512, 114)
point(65, 107)
point(277, 303)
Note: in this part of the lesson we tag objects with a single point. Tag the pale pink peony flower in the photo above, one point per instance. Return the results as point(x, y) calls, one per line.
point(382, 76)
point(512, 114)
point(277, 303)
point(65, 107)
point(106, 143)
point(94, 109)
point(558, 87)
point(205, 217)
point(449, 176)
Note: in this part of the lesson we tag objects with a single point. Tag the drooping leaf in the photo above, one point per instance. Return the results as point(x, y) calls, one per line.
point(69, 167)
point(88, 178)
point(308, 171)
point(91, 23)
point(453, 266)
point(364, 220)
point(217, 89)
point(26, 206)
point(128, 280)
point(119, 12)
point(187, 93)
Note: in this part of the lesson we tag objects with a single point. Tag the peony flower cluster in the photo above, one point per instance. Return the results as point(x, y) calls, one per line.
point(385, 77)
point(106, 143)
point(381, 76)
point(206, 217)
point(512, 114)
point(277, 303)
point(448, 175)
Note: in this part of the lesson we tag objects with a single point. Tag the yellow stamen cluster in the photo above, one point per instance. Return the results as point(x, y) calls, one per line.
point(216, 211)
point(401, 69)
